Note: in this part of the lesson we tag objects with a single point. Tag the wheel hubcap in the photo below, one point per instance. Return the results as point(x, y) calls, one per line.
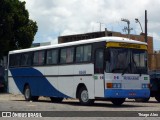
point(84, 96)
point(27, 93)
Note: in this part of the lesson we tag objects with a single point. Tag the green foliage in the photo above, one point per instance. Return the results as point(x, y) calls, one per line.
point(17, 31)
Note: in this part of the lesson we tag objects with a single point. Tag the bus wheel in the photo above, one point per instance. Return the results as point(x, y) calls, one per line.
point(27, 93)
point(142, 99)
point(83, 97)
point(157, 97)
point(28, 96)
point(56, 99)
point(118, 101)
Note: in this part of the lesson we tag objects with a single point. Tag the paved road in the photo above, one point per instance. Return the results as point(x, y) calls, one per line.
point(10, 102)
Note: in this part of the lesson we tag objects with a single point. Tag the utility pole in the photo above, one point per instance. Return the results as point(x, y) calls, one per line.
point(127, 28)
point(100, 25)
point(146, 26)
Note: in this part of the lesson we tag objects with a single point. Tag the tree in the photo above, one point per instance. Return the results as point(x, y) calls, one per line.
point(17, 31)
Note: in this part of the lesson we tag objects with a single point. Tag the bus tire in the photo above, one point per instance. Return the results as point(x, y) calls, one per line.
point(142, 99)
point(27, 94)
point(157, 97)
point(84, 97)
point(56, 99)
point(118, 101)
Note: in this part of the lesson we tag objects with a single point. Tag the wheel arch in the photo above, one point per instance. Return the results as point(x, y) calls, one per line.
point(79, 87)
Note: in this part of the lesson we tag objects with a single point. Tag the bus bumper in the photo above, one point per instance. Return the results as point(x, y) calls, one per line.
point(132, 94)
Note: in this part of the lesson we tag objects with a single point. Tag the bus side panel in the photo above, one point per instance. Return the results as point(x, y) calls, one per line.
point(38, 83)
point(99, 85)
point(51, 72)
point(65, 79)
point(23, 76)
point(12, 87)
point(85, 72)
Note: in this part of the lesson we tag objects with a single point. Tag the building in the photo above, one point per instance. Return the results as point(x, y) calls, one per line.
point(40, 44)
point(153, 62)
point(70, 38)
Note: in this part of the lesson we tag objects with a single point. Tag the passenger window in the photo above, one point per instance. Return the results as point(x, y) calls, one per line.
point(87, 53)
point(26, 59)
point(79, 54)
point(83, 53)
point(52, 56)
point(67, 55)
point(11, 60)
point(38, 58)
point(17, 58)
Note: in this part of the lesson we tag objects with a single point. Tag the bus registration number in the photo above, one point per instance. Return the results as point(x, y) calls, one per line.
point(82, 72)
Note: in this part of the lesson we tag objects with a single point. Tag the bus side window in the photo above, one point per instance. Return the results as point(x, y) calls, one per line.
point(83, 53)
point(63, 56)
point(79, 54)
point(87, 53)
point(39, 57)
point(26, 59)
point(17, 59)
point(99, 61)
point(52, 56)
point(11, 60)
point(67, 55)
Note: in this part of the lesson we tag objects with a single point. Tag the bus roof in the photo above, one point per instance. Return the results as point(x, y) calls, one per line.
point(107, 39)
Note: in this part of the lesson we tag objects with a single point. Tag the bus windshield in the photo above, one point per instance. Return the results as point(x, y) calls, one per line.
point(125, 60)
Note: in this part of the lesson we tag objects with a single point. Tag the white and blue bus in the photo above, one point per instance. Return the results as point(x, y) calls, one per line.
point(111, 68)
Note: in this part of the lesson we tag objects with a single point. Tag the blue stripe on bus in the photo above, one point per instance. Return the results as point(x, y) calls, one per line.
point(39, 85)
point(127, 93)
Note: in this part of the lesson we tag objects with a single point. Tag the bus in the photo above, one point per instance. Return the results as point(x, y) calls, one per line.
point(109, 68)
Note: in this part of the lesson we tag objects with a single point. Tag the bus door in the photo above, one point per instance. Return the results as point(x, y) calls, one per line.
point(99, 73)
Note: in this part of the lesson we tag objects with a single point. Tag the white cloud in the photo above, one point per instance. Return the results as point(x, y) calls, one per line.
point(64, 17)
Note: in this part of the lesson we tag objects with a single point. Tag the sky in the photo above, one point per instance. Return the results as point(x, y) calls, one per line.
point(66, 17)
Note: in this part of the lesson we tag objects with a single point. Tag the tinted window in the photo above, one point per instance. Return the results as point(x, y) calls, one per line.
point(26, 59)
point(79, 54)
point(11, 60)
point(38, 58)
point(87, 53)
point(52, 56)
point(83, 53)
point(15, 60)
point(99, 57)
point(66, 55)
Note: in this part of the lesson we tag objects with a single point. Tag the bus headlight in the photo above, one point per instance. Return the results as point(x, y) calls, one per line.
point(113, 85)
point(145, 85)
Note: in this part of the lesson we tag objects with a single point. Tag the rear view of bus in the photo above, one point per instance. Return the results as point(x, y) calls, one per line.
point(126, 71)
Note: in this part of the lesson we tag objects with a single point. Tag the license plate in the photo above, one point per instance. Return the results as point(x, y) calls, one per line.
point(132, 94)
